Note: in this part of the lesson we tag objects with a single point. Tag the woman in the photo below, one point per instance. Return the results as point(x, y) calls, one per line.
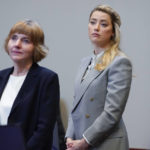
point(29, 93)
point(101, 89)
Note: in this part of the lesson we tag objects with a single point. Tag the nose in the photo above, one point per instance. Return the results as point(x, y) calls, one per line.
point(18, 43)
point(97, 27)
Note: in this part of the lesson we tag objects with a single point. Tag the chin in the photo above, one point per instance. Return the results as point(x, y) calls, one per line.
point(16, 60)
point(95, 42)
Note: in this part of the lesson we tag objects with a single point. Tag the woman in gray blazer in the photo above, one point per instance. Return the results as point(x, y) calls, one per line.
point(101, 89)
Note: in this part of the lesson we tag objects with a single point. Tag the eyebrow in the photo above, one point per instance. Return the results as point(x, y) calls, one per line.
point(94, 19)
point(103, 20)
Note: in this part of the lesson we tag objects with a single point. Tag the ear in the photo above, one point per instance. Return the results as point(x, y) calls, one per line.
point(113, 34)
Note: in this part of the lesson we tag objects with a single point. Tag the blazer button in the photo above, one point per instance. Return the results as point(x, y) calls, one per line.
point(91, 99)
point(87, 116)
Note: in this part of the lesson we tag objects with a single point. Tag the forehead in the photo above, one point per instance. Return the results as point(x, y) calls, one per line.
point(99, 15)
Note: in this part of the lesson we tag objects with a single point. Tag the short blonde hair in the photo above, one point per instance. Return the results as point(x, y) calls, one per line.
point(35, 33)
point(110, 53)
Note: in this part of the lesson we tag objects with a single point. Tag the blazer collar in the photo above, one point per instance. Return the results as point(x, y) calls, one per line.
point(4, 76)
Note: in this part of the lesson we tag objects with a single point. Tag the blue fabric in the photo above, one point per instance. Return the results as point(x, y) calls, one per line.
point(55, 138)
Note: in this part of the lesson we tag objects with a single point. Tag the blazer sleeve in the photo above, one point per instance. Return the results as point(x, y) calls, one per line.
point(46, 117)
point(70, 129)
point(119, 82)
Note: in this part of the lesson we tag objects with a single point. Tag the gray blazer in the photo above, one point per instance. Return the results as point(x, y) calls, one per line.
point(99, 102)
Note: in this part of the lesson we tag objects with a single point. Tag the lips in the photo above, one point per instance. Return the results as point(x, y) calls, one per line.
point(95, 35)
point(16, 52)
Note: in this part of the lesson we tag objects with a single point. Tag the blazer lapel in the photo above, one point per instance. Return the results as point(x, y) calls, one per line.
point(26, 87)
point(81, 71)
point(4, 76)
point(81, 87)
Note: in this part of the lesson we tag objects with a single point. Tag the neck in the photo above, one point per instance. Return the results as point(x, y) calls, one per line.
point(20, 69)
point(98, 50)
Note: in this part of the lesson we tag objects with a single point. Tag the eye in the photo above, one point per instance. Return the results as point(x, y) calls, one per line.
point(26, 40)
point(14, 37)
point(92, 22)
point(104, 24)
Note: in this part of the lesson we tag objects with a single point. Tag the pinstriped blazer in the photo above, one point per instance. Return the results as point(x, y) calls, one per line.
point(99, 103)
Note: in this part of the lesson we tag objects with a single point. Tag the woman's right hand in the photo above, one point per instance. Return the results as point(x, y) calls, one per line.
point(69, 143)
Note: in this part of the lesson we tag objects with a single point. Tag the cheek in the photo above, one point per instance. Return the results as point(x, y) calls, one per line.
point(9, 45)
point(29, 48)
point(108, 33)
point(89, 31)
point(31, 51)
point(89, 27)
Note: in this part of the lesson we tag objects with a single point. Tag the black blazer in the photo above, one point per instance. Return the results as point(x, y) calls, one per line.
point(36, 106)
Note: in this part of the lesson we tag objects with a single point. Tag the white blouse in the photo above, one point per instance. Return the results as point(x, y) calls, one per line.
point(8, 97)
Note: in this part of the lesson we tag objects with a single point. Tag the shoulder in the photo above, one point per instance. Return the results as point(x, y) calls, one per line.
point(6, 71)
point(46, 71)
point(120, 65)
point(43, 72)
point(121, 58)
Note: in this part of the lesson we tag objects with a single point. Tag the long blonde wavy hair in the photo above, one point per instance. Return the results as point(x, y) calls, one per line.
point(111, 52)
